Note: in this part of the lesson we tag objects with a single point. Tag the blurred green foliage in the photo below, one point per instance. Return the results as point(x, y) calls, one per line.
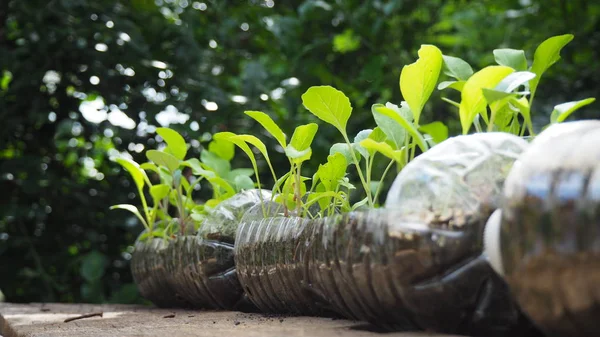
point(131, 66)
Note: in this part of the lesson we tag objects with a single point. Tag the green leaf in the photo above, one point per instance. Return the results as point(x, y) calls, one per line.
point(378, 135)
point(472, 100)
point(437, 130)
point(393, 130)
point(456, 68)
point(332, 171)
point(383, 148)
point(344, 149)
point(159, 192)
point(546, 54)
point(216, 163)
point(257, 143)
point(511, 58)
point(131, 209)
point(524, 107)
point(243, 183)
point(163, 159)
point(166, 177)
point(93, 266)
point(269, 125)
point(230, 136)
point(298, 156)
point(248, 172)
point(175, 143)
point(564, 110)
point(456, 85)
point(418, 80)
point(303, 136)
point(399, 119)
point(493, 95)
point(346, 42)
point(514, 81)
point(362, 135)
point(197, 168)
point(150, 167)
point(137, 173)
point(222, 148)
point(504, 115)
point(328, 104)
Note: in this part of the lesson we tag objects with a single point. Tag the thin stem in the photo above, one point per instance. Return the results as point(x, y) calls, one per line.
point(297, 190)
point(369, 168)
point(181, 210)
point(406, 142)
point(262, 204)
point(385, 172)
point(360, 175)
point(144, 204)
point(273, 174)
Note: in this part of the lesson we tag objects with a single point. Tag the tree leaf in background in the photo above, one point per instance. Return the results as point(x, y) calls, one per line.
point(93, 266)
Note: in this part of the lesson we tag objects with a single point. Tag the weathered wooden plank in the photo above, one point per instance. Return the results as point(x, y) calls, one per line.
point(48, 320)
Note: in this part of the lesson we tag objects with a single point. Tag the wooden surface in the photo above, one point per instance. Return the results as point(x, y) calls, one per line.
point(48, 320)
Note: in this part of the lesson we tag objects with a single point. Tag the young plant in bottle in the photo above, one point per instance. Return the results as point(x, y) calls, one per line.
point(176, 184)
point(502, 95)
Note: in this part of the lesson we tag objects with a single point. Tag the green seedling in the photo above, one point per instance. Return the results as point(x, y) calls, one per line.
point(499, 94)
point(177, 179)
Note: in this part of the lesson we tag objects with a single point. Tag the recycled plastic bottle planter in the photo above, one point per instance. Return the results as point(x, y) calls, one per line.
point(149, 273)
point(545, 240)
point(271, 258)
point(417, 264)
point(196, 271)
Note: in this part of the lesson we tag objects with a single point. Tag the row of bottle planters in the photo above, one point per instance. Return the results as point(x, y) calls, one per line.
point(431, 259)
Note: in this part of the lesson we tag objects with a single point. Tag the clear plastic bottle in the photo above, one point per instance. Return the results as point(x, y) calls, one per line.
point(546, 239)
point(197, 270)
point(416, 264)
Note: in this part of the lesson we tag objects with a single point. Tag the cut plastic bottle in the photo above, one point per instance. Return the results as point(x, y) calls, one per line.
point(196, 271)
point(416, 264)
point(546, 239)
